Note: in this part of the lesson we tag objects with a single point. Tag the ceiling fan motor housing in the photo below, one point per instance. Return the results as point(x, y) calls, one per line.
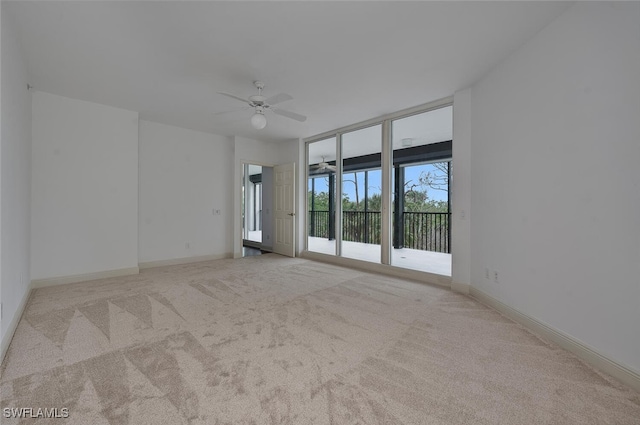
point(257, 100)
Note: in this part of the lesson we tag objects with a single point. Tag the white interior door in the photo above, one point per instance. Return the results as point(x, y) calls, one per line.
point(284, 206)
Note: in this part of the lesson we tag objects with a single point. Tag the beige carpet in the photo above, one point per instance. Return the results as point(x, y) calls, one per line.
point(273, 340)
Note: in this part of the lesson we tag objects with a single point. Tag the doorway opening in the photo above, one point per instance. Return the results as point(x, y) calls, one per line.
point(257, 206)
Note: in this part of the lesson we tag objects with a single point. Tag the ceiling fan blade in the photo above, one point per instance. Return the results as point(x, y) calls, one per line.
point(233, 97)
point(278, 98)
point(289, 114)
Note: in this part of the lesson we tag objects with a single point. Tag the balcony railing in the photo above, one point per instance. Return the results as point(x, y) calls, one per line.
point(426, 231)
point(319, 224)
point(360, 226)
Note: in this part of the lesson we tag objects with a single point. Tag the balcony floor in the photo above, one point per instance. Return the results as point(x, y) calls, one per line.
point(414, 259)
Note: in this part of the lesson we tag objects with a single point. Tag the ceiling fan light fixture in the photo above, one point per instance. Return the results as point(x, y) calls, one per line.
point(261, 104)
point(258, 121)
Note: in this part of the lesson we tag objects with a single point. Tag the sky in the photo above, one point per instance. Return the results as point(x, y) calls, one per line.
point(375, 183)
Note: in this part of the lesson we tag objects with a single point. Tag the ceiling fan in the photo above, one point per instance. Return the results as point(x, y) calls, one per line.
point(322, 167)
point(262, 104)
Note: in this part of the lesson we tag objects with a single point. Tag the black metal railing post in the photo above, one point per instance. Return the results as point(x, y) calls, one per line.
point(332, 207)
point(366, 207)
point(313, 207)
point(449, 207)
point(398, 208)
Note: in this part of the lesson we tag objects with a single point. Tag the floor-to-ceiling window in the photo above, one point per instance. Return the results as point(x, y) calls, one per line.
point(405, 222)
point(421, 160)
point(321, 196)
point(361, 208)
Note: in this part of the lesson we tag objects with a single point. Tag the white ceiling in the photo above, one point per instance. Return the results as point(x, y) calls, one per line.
point(343, 62)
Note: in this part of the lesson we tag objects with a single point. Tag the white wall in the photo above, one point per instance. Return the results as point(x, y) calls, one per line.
point(461, 192)
point(84, 187)
point(184, 176)
point(15, 177)
point(555, 181)
point(301, 196)
point(1, 325)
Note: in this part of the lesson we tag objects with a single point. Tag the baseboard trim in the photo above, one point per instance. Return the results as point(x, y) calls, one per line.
point(425, 277)
point(597, 360)
point(463, 288)
point(13, 325)
point(41, 283)
point(185, 260)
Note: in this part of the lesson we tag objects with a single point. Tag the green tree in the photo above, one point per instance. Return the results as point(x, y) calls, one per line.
point(320, 201)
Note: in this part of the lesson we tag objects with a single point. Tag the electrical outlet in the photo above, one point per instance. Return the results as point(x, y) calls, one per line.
point(187, 245)
point(495, 276)
point(217, 212)
point(486, 273)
